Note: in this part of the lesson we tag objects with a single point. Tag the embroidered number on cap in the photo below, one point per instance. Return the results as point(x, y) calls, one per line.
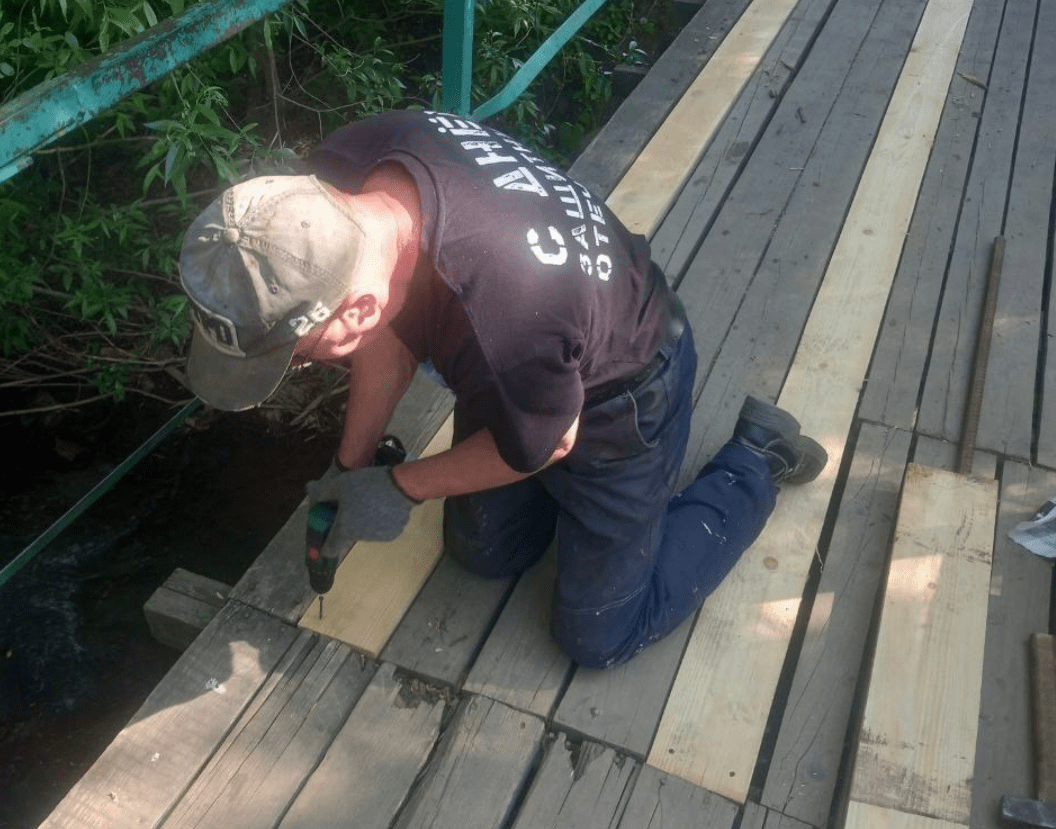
point(302, 325)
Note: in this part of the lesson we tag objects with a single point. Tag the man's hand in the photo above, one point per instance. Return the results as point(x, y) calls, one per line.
point(370, 507)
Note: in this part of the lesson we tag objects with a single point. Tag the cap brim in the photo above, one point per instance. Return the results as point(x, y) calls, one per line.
point(234, 383)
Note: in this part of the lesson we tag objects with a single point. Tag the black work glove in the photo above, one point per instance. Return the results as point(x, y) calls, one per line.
point(370, 507)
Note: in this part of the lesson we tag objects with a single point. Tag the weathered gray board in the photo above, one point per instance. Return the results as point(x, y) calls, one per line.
point(262, 764)
point(1046, 453)
point(1007, 417)
point(984, 202)
point(520, 664)
point(1020, 589)
point(149, 765)
point(365, 776)
point(759, 817)
point(182, 606)
point(893, 385)
point(660, 801)
point(621, 705)
point(444, 628)
point(488, 751)
point(277, 582)
point(806, 761)
point(676, 240)
point(579, 785)
point(614, 149)
point(752, 285)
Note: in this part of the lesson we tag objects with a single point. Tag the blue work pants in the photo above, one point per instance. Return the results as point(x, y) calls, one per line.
point(634, 558)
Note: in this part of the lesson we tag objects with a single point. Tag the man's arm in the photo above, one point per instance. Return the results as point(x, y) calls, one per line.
point(470, 466)
point(380, 372)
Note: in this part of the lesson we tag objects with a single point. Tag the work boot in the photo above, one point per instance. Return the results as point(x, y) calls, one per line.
point(773, 434)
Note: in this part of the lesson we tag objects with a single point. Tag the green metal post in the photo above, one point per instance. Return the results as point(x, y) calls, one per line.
point(458, 55)
point(63, 103)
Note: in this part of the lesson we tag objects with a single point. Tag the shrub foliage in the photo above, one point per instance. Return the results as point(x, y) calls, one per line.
point(90, 305)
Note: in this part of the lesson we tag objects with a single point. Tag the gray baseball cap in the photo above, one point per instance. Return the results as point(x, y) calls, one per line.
point(265, 263)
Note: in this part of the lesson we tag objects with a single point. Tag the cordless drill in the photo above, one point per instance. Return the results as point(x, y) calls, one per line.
point(321, 569)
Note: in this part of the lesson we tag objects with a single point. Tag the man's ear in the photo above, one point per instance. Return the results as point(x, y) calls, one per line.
point(361, 313)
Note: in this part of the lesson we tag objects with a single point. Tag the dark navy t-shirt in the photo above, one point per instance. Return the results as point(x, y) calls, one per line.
point(544, 294)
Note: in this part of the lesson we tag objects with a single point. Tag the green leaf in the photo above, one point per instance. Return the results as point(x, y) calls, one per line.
point(170, 160)
point(148, 12)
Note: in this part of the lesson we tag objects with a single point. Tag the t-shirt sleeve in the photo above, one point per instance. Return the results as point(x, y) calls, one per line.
point(530, 406)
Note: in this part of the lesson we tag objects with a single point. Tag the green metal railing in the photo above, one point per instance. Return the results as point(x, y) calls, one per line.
point(55, 107)
point(458, 58)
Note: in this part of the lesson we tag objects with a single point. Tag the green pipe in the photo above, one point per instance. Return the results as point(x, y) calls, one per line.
point(61, 104)
point(96, 492)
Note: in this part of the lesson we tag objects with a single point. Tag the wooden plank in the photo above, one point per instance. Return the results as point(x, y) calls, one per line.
point(520, 664)
point(679, 234)
point(766, 324)
point(621, 705)
point(277, 581)
point(278, 741)
point(370, 767)
point(182, 606)
point(863, 816)
point(760, 817)
point(1005, 421)
point(856, 39)
point(713, 723)
point(807, 758)
point(151, 762)
point(445, 627)
point(1019, 605)
point(896, 374)
point(581, 784)
point(945, 387)
point(649, 187)
point(615, 147)
point(917, 746)
point(660, 801)
point(377, 581)
point(479, 771)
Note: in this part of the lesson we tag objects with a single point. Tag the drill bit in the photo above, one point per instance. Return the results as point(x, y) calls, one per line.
point(320, 605)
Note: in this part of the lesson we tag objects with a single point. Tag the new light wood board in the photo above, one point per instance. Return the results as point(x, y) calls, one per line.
point(377, 581)
point(714, 720)
point(861, 816)
point(916, 749)
point(652, 183)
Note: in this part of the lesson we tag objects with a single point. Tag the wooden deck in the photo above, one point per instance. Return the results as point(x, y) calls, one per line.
point(845, 170)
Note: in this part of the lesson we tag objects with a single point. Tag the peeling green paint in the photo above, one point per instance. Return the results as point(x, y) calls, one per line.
point(56, 106)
